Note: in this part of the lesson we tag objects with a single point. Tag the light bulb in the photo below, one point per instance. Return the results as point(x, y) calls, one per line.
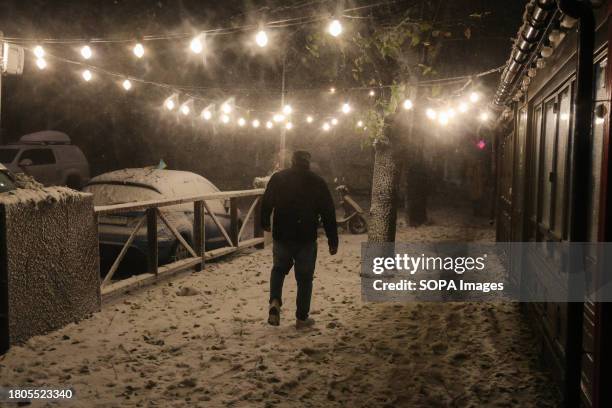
point(226, 108)
point(407, 104)
point(289, 126)
point(372, 93)
point(86, 52)
point(241, 122)
point(261, 38)
point(269, 125)
point(346, 108)
point(332, 90)
point(474, 97)
point(278, 117)
point(127, 85)
point(138, 50)
point(450, 113)
point(287, 109)
point(255, 123)
point(87, 75)
point(185, 109)
point(443, 119)
point(39, 52)
point(225, 118)
point(360, 123)
point(326, 126)
point(334, 121)
point(484, 116)
point(169, 104)
point(196, 45)
point(206, 115)
point(431, 114)
point(309, 119)
point(463, 107)
point(335, 28)
point(41, 63)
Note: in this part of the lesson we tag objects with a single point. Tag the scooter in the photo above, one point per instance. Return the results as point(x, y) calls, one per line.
point(353, 214)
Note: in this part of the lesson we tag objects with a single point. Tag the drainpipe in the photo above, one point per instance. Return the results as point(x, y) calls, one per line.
point(581, 165)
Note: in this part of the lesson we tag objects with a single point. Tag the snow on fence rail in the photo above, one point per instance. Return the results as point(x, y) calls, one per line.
point(198, 253)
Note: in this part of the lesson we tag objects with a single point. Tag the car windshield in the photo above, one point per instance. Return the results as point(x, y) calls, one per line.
point(6, 184)
point(8, 155)
point(109, 194)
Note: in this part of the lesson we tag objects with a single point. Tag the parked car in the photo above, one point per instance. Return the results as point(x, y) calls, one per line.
point(7, 183)
point(49, 157)
point(141, 184)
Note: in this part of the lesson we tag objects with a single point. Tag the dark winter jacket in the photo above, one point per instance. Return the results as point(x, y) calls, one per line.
point(298, 197)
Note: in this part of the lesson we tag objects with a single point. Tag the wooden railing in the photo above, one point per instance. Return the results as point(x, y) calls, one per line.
point(197, 252)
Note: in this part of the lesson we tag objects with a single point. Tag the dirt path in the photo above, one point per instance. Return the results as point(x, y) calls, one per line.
point(214, 349)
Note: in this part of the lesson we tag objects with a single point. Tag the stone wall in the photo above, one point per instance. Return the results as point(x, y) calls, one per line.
point(49, 274)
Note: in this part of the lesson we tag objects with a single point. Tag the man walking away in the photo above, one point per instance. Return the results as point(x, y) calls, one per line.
point(298, 197)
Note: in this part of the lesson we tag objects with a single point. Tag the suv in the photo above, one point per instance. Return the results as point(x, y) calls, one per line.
point(49, 157)
point(7, 183)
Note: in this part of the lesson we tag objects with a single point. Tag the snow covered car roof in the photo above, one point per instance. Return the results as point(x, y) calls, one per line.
point(45, 136)
point(168, 183)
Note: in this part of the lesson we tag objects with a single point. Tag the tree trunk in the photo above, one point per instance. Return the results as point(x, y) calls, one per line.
point(383, 208)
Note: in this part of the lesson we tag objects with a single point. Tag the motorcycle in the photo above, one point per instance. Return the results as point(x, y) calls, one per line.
point(353, 214)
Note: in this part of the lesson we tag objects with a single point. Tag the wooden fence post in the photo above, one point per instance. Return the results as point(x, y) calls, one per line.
point(152, 240)
point(233, 232)
point(199, 232)
point(258, 232)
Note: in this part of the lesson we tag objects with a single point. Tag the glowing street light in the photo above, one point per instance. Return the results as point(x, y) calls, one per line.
point(127, 84)
point(474, 97)
point(261, 38)
point(39, 52)
point(346, 108)
point(86, 75)
point(309, 119)
point(86, 52)
point(196, 45)
point(326, 126)
point(407, 104)
point(138, 50)
point(255, 123)
point(241, 122)
point(431, 114)
point(335, 28)
point(41, 63)
point(287, 109)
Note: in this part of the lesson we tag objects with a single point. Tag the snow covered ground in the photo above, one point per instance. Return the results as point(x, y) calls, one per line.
point(214, 348)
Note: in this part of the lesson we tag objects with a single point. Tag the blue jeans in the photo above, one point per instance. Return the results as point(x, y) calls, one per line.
point(302, 255)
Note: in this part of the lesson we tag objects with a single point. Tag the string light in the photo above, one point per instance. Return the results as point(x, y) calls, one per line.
point(86, 52)
point(206, 115)
point(278, 117)
point(463, 107)
point(372, 93)
point(287, 109)
point(269, 125)
point(138, 50)
point(41, 63)
point(196, 45)
point(241, 122)
point(443, 118)
point(431, 114)
point(326, 126)
point(407, 104)
point(450, 113)
point(39, 52)
point(186, 107)
point(335, 28)
point(261, 38)
point(225, 118)
point(334, 121)
point(474, 97)
point(86, 75)
point(226, 108)
point(255, 123)
point(332, 90)
point(309, 119)
point(484, 116)
point(289, 126)
point(171, 102)
point(346, 108)
point(127, 85)
point(360, 123)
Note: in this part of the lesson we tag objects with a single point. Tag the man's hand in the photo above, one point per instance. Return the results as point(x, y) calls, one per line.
point(333, 249)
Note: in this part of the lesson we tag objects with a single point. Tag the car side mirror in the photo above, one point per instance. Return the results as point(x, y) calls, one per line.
point(25, 162)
